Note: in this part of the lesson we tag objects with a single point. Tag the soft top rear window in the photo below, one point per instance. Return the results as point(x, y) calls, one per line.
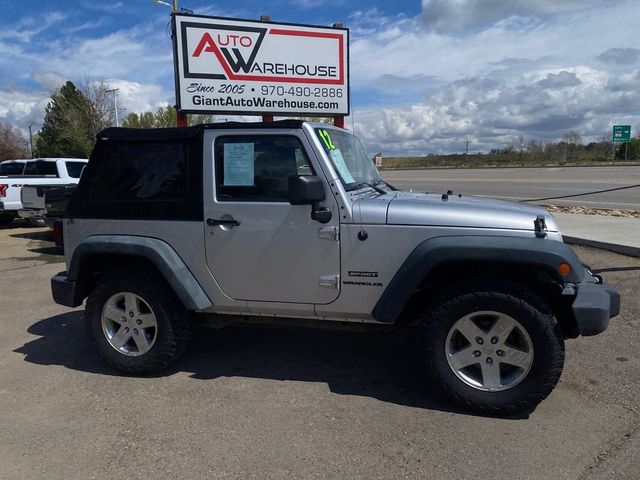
point(141, 179)
point(142, 171)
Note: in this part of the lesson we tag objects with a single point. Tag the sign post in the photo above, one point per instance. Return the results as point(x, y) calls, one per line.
point(243, 67)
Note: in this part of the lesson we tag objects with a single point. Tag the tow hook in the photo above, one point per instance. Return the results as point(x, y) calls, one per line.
point(540, 226)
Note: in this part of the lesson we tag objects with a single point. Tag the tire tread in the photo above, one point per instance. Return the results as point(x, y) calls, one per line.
point(179, 321)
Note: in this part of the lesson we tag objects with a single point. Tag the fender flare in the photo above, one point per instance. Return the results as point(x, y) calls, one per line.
point(158, 252)
point(431, 253)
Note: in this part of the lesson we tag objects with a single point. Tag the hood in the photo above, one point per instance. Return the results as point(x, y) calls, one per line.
point(403, 208)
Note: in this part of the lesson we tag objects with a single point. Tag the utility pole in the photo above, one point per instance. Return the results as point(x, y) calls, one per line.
point(31, 139)
point(466, 149)
point(267, 117)
point(115, 102)
point(181, 118)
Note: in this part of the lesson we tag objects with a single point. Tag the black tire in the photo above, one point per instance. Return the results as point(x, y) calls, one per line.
point(174, 322)
point(509, 299)
point(6, 218)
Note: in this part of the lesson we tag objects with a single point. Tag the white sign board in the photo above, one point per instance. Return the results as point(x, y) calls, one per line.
point(245, 67)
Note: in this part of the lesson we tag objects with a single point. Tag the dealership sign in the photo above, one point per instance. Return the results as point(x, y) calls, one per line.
point(237, 66)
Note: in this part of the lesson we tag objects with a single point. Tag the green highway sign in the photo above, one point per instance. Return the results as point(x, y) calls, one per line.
point(621, 133)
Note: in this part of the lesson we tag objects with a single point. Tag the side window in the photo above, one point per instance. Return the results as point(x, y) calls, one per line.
point(140, 170)
point(11, 168)
point(41, 168)
point(258, 167)
point(74, 169)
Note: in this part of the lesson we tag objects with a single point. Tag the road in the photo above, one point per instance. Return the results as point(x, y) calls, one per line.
point(528, 183)
point(292, 403)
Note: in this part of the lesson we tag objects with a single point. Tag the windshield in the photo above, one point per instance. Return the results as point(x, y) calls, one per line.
point(348, 157)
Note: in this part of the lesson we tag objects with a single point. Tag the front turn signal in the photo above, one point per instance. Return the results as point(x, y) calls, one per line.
point(564, 269)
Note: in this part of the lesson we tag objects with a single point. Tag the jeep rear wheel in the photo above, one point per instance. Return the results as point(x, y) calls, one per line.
point(129, 324)
point(136, 321)
point(494, 347)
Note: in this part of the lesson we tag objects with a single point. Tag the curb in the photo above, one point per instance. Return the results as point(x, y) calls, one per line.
point(612, 247)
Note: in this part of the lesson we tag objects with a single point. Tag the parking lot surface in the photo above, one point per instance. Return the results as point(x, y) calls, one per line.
point(274, 402)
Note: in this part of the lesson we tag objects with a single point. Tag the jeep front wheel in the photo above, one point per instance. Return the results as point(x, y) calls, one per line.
point(136, 321)
point(494, 347)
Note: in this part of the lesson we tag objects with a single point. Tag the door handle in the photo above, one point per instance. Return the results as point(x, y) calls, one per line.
point(230, 222)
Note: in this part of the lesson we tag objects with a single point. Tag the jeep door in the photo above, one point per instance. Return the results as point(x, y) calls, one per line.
point(259, 247)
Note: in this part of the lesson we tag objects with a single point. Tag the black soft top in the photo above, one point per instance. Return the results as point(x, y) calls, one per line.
point(189, 132)
point(150, 173)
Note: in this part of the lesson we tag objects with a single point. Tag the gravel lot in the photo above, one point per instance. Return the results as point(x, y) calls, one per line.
point(275, 402)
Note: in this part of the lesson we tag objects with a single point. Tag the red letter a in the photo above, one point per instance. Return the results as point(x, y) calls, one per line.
point(207, 42)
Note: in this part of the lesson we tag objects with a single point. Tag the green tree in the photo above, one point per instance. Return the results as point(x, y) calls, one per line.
point(163, 117)
point(630, 150)
point(12, 143)
point(67, 131)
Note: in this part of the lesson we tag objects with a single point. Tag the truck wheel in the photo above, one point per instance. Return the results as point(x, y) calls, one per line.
point(138, 324)
point(6, 218)
point(495, 347)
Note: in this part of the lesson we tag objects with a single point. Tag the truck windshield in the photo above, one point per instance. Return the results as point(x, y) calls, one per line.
point(349, 158)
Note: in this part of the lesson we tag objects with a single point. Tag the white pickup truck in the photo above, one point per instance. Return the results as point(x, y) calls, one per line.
point(15, 174)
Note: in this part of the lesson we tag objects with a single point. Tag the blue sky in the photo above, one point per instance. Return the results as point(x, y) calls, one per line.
point(426, 76)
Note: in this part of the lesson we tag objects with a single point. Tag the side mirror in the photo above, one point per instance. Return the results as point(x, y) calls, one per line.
point(309, 190)
point(305, 190)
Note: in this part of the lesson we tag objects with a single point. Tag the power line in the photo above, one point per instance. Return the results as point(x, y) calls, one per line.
point(581, 194)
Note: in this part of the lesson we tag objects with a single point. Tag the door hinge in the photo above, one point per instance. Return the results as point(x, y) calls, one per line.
point(329, 233)
point(329, 281)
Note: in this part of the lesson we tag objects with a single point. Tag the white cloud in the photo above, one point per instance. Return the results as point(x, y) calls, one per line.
point(29, 27)
point(620, 56)
point(22, 107)
point(86, 26)
point(518, 68)
point(138, 97)
point(484, 71)
point(459, 15)
point(491, 113)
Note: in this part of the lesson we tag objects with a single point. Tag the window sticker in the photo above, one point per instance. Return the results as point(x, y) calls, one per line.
point(326, 138)
point(343, 170)
point(238, 164)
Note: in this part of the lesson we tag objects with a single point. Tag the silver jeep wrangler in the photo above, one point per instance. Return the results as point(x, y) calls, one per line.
point(291, 220)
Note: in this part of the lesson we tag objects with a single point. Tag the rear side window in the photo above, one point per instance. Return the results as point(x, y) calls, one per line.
point(142, 171)
point(41, 168)
point(11, 168)
point(74, 169)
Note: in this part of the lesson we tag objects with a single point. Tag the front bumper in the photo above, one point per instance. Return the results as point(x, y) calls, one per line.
point(31, 214)
point(65, 292)
point(595, 303)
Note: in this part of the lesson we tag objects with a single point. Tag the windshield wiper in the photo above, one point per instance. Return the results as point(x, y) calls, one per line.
point(359, 185)
point(391, 187)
